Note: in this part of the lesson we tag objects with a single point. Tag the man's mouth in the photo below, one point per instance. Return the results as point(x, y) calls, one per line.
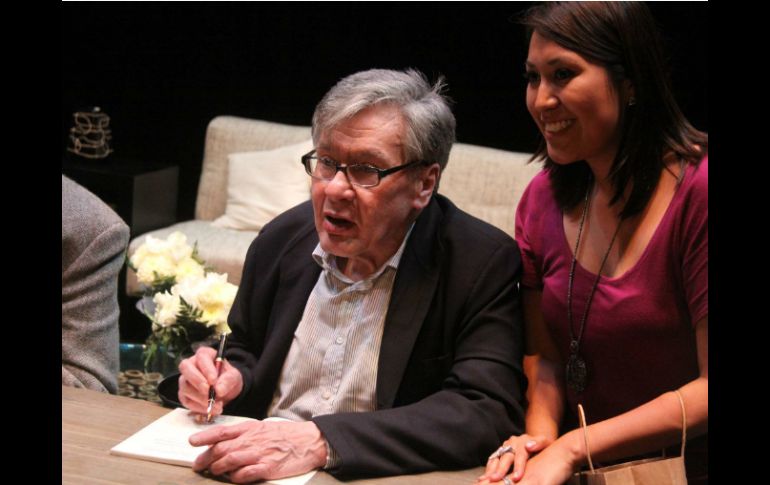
point(338, 223)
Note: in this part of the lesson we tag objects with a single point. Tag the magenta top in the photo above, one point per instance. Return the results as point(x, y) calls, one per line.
point(639, 338)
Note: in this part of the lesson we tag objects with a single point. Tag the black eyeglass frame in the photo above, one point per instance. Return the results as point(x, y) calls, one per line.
point(381, 173)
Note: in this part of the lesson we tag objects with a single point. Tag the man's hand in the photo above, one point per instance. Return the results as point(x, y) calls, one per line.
point(199, 373)
point(260, 450)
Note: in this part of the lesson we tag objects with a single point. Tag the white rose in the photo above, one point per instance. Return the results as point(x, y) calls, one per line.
point(177, 247)
point(189, 268)
point(166, 257)
point(214, 296)
point(189, 289)
point(153, 264)
point(167, 306)
point(219, 300)
point(148, 248)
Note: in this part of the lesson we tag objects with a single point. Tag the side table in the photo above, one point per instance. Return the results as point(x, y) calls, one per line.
point(143, 194)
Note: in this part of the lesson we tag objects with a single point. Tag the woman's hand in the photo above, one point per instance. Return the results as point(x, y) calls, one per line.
point(553, 464)
point(522, 447)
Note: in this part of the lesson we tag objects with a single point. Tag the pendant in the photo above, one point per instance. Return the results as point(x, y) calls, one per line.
point(577, 372)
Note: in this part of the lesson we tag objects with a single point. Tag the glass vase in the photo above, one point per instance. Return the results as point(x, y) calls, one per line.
point(164, 361)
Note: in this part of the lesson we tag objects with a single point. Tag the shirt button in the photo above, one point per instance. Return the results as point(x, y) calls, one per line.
point(340, 340)
point(326, 395)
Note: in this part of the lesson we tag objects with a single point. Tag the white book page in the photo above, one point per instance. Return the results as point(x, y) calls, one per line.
point(165, 440)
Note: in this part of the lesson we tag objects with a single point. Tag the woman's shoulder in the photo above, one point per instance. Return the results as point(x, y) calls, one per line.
point(541, 180)
point(539, 188)
point(702, 170)
point(537, 202)
point(696, 178)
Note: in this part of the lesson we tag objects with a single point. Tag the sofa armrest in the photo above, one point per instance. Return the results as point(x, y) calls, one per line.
point(229, 134)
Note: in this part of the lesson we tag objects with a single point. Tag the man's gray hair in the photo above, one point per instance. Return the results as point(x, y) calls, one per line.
point(430, 124)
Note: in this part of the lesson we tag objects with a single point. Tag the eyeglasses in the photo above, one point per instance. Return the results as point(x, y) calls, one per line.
point(362, 175)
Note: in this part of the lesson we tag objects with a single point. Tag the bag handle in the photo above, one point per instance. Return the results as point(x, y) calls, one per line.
point(684, 421)
point(582, 417)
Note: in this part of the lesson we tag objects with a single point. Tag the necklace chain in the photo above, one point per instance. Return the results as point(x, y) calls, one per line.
point(577, 371)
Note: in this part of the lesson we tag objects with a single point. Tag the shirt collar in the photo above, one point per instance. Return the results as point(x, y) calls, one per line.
point(328, 261)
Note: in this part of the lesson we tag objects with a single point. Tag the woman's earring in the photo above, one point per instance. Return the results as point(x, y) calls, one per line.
point(632, 101)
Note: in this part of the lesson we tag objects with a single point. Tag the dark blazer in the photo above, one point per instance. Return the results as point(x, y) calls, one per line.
point(450, 386)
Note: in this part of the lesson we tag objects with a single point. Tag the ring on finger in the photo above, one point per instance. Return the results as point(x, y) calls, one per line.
point(501, 451)
point(507, 481)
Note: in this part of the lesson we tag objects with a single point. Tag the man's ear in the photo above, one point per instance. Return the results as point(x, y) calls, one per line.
point(426, 184)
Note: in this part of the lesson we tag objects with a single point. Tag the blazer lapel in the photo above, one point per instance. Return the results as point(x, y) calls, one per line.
point(410, 301)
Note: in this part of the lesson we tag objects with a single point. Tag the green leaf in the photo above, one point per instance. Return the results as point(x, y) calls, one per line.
point(161, 284)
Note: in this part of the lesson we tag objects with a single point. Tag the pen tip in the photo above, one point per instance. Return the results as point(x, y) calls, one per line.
point(209, 411)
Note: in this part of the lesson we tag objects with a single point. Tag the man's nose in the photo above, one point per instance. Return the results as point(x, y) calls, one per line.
point(339, 186)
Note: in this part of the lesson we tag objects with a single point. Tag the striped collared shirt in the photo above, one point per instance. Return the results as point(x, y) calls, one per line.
point(332, 363)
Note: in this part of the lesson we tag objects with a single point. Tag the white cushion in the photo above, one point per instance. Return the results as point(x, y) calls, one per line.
point(487, 182)
point(263, 184)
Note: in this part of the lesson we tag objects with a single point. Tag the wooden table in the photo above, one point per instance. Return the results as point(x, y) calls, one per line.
point(94, 422)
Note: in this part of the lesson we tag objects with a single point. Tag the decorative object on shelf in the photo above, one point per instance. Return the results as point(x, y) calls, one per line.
point(90, 137)
point(185, 303)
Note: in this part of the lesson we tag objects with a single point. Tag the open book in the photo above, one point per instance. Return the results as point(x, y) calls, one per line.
point(165, 440)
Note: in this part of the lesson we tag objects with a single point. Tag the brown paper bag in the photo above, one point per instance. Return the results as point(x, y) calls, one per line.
point(651, 471)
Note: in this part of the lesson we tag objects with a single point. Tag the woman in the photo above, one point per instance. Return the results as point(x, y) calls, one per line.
point(614, 239)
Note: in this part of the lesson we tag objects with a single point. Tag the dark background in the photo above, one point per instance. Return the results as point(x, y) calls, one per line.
point(163, 71)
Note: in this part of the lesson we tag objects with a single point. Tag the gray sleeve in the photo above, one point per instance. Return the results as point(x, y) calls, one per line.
point(94, 241)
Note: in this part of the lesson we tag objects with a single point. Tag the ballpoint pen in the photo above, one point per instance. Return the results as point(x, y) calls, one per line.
point(218, 364)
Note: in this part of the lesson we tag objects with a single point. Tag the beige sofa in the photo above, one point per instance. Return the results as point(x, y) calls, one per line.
point(485, 182)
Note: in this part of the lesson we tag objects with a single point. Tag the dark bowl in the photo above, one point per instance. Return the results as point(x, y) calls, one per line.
point(168, 390)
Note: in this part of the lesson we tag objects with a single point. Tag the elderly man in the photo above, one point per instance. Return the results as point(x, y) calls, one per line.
point(378, 317)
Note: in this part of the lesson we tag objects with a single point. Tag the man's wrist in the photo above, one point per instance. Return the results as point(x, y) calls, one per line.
point(332, 458)
point(316, 447)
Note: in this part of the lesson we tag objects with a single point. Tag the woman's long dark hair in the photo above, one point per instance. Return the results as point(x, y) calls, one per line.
point(622, 37)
